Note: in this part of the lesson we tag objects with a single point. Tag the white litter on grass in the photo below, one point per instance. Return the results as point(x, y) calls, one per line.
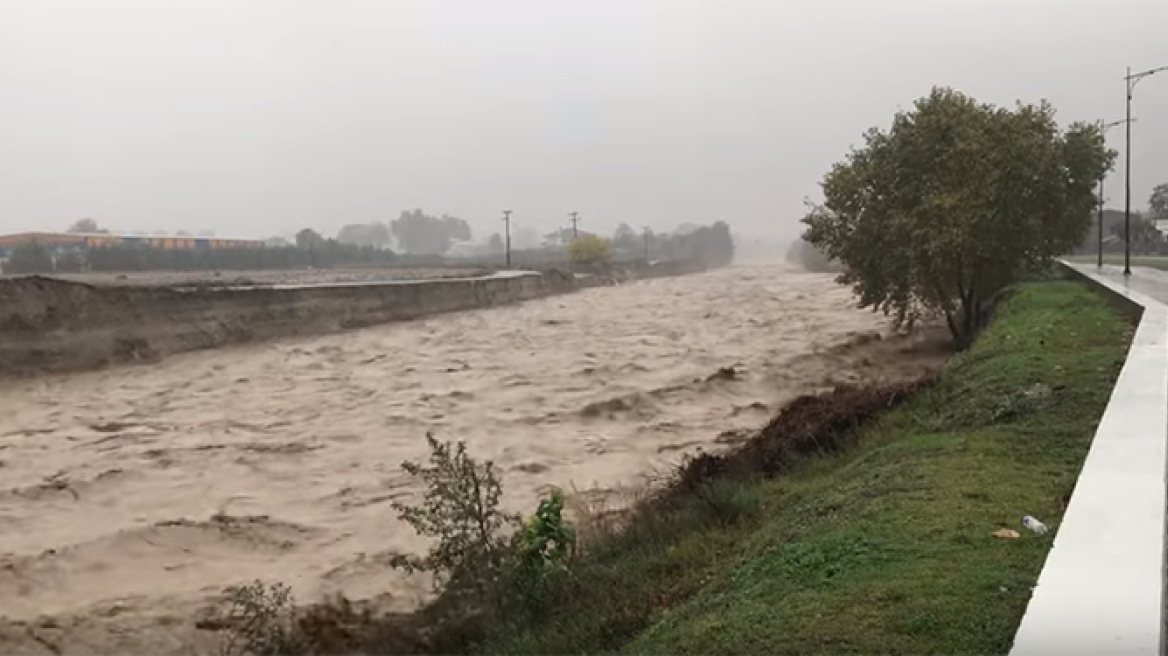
point(1034, 525)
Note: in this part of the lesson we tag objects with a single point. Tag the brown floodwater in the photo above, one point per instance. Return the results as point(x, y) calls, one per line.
point(130, 497)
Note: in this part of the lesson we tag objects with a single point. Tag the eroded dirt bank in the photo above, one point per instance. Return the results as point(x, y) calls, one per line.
point(131, 496)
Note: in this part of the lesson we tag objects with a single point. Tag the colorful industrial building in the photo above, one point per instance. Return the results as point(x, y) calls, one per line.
point(71, 240)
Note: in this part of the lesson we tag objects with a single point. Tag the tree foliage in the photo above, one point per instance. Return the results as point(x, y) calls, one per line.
point(712, 245)
point(953, 203)
point(418, 232)
point(261, 622)
point(495, 244)
point(461, 510)
point(373, 235)
point(86, 226)
point(589, 250)
point(625, 239)
point(1159, 201)
point(33, 257)
point(309, 239)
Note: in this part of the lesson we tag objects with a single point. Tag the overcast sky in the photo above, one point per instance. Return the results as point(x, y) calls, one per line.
point(256, 118)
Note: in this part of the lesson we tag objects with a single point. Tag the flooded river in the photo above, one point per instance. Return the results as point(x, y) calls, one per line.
point(129, 497)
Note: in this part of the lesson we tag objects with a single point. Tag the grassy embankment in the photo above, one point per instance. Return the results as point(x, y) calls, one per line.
point(885, 548)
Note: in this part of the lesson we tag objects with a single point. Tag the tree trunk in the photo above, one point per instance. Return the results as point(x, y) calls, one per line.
point(968, 323)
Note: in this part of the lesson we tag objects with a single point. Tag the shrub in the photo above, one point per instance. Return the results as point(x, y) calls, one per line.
point(261, 622)
point(460, 509)
point(486, 563)
point(590, 250)
point(543, 551)
point(547, 540)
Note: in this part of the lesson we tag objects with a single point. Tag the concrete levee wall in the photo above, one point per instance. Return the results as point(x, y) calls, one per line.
point(53, 325)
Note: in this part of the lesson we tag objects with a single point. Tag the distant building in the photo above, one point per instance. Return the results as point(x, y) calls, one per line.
point(59, 241)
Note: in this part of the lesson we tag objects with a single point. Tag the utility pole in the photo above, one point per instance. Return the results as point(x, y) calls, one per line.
point(574, 217)
point(1103, 128)
point(1131, 79)
point(507, 232)
point(648, 233)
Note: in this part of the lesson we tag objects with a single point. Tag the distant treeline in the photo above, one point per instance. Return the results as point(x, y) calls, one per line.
point(1145, 238)
point(38, 258)
point(712, 246)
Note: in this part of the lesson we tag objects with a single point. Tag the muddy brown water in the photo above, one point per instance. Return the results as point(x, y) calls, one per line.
point(130, 497)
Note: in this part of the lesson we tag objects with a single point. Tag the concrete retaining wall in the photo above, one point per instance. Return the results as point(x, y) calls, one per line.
point(52, 325)
point(47, 324)
point(1101, 588)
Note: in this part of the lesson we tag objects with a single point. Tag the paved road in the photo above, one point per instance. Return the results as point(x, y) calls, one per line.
point(1145, 280)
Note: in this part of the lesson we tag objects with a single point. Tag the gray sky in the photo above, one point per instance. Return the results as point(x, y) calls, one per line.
point(258, 118)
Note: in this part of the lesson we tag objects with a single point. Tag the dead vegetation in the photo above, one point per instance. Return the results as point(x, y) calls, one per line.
point(819, 424)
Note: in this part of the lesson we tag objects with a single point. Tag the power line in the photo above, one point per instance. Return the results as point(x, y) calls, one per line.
point(574, 218)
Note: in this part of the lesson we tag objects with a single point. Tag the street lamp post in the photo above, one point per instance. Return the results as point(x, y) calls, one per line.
point(507, 232)
point(1103, 128)
point(1131, 79)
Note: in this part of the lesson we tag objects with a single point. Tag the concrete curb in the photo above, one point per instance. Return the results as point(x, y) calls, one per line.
point(1101, 588)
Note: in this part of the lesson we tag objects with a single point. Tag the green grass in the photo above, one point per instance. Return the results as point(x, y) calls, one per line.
point(1113, 259)
point(885, 549)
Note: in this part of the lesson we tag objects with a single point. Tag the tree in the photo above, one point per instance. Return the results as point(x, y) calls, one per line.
point(309, 239)
point(712, 246)
point(31, 257)
point(626, 239)
point(955, 202)
point(1159, 201)
point(422, 234)
point(86, 226)
point(589, 250)
point(495, 244)
point(456, 228)
point(374, 235)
